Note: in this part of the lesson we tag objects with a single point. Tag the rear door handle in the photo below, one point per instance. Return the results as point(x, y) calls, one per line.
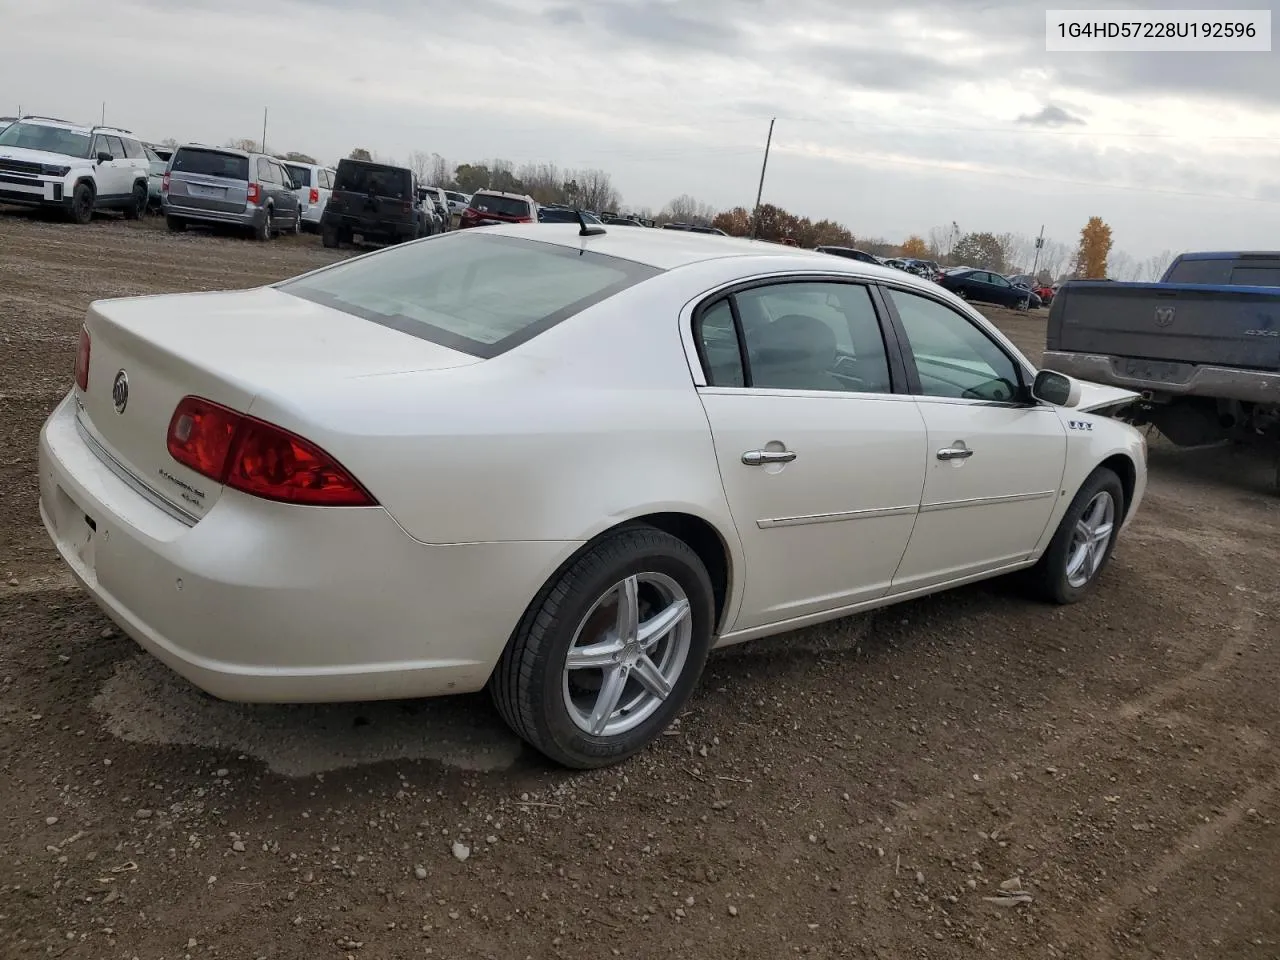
point(757, 458)
point(954, 453)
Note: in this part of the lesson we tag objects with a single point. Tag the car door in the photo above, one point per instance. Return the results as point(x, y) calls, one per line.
point(995, 457)
point(1003, 292)
point(112, 175)
point(289, 203)
point(822, 461)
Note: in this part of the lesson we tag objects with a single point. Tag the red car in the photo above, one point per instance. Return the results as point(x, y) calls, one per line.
point(494, 206)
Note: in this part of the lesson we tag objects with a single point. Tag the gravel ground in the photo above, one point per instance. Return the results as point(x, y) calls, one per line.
point(969, 774)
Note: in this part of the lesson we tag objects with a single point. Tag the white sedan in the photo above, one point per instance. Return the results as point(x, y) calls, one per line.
point(560, 462)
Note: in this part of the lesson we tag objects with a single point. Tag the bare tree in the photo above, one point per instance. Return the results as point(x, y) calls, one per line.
point(595, 190)
point(441, 171)
point(1054, 258)
point(245, 144)
point(542, 181)
point(1121, 266)
point(1018, 250)
point(683, 209)
point(420, 164)
point(1153, 268)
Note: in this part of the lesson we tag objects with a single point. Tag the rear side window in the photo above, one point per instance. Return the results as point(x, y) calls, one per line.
point(133, 149)
point(210, 163)
point(503, 206)
point(300, 173)
point(1227, 271)
point(368, 178)
point(482, 295)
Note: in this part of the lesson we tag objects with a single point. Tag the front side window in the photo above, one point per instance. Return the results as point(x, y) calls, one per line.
point(35, 136)
point(116, 148)
point(952, 356)
point(482, 295)
point(134, 150)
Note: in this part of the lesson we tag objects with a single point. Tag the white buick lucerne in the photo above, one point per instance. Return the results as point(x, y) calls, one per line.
point(560, 462)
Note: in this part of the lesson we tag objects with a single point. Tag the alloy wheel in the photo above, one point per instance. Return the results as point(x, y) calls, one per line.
point(1090, 538)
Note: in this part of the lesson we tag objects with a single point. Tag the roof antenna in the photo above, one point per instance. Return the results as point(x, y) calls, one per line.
point(583, 229)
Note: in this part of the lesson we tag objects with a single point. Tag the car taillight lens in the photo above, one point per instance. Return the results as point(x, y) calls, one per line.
point(164, 182)
point(259, 458)
point(524, 220)
point(469, 214)
point(313, 196)
point(82, 360)
point(253, 193)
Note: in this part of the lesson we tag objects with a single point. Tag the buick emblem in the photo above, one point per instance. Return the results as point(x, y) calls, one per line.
point(1164, 316)
point(120, 391)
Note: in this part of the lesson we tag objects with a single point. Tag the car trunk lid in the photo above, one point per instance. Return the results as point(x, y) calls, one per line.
point(209, 179)
point(147, 353)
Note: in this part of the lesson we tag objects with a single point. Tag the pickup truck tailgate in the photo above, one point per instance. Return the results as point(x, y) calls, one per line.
point(1227, 326)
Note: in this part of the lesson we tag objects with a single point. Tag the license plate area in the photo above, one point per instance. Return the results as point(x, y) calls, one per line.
point(1153, 371)
point(77, 531)
point(207, 193)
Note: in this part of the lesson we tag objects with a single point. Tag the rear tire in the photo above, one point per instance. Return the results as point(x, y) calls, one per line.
point(82, 200)
point(329, 237)
point(263, 231)
point(175, 224)
point(1078, 553)
point(138, 207)
point(570, 714)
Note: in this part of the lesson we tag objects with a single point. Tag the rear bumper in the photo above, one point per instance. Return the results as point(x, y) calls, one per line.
point(249, 217)
point(368, 228)
point(1225, 383)
point(263, 602)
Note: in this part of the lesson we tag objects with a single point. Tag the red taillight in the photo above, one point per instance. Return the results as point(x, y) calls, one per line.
point(469, 214)
point(259, 458)
point(253, 193)
point(313, 196)
point(82, 360)
point(164, 182)
point(524, 220)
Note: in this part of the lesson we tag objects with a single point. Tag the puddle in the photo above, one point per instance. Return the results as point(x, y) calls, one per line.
point(145, 702)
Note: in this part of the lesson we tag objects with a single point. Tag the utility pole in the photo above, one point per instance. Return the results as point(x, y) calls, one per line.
point(104, 113)
point(264, 129)
point(755, 216)
point(1039, 244)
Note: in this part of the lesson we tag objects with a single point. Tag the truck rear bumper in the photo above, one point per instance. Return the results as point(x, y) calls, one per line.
point(1162, 380)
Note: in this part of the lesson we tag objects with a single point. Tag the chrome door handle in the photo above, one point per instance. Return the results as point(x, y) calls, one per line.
point(756, 458)
point(954, 453)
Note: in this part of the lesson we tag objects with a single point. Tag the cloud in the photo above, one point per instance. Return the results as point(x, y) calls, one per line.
point(1051, 115)
point(891, 117)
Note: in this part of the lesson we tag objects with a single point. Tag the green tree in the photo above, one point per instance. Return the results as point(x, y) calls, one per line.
point(980, 250)
point(471, 177)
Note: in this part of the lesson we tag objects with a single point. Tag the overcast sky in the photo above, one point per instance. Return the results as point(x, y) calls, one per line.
point(892, 117)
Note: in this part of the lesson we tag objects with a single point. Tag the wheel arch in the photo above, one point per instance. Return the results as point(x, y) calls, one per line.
point(1123, 467)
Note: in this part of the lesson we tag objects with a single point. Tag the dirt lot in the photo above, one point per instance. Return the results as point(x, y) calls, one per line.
point(858, 790)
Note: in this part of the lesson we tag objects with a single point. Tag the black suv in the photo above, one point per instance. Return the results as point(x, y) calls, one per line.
point(375, 200)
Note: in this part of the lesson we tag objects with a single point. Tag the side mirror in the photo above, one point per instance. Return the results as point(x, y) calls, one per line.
point(1056, 388)
point(104, 157)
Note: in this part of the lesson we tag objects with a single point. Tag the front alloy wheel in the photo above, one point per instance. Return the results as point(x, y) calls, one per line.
point(610, 649)
point(1083, 542)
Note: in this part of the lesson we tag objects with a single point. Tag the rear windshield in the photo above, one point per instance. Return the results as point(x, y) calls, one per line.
point(211, 163)
point(1263, 272)
point(479, 294)
point(503, 206)
point(380, 181)
point(299, 173)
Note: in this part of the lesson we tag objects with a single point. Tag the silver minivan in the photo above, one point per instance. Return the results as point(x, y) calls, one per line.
point(228, 186)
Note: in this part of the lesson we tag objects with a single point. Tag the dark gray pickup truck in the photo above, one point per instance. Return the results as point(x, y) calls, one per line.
point(1202, 346)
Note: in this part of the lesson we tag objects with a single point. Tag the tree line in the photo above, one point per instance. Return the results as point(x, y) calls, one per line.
point(1092, 256)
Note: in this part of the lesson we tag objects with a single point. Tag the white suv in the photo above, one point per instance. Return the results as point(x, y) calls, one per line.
point(79, 169)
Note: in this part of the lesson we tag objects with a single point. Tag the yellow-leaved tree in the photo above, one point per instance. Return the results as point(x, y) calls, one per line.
point(914, 246)
point(1095, 247)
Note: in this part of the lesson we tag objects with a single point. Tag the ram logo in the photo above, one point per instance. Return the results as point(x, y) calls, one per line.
point(1262, 333)
point(1164, 316)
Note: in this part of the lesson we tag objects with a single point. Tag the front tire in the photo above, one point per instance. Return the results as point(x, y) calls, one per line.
point(1083, 542)
point(138, 207)
point(82, 200)
point(609, 651)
